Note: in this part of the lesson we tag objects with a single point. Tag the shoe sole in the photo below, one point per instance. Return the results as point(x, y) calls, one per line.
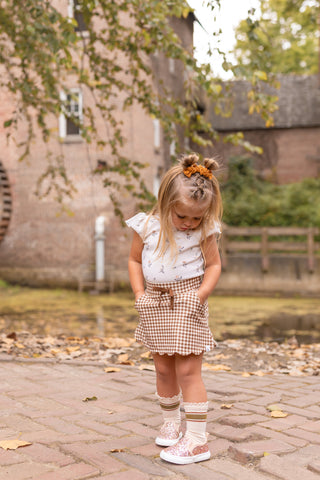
point(163, 442)
point(184, 460)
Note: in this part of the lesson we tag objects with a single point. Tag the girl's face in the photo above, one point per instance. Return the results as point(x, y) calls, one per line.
point(187, 214)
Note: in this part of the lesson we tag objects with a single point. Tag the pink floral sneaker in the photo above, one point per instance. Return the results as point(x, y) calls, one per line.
point(169, 435)
point(182, 453)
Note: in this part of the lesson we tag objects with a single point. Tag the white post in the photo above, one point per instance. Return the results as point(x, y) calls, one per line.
point(99, 238)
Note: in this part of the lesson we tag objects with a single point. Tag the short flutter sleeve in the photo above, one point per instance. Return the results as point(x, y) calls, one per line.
point(215, 229)
point(138, 223)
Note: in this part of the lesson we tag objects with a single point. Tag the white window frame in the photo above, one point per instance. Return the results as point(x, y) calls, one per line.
point(172, 146)
point(71, 8)
point(156, 134)
point(63, 118)
point(172, 66)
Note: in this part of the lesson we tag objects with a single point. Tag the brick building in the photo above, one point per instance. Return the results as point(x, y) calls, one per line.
point(37, 245)
point(291, 149)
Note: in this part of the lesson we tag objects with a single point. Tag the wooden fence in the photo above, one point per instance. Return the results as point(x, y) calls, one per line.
point(289, 240)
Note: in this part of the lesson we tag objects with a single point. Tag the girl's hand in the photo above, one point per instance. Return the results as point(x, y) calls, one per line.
point(202, 297)
point(139, 294)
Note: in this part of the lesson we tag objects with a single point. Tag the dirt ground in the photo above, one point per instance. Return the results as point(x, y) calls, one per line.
point(245, 357)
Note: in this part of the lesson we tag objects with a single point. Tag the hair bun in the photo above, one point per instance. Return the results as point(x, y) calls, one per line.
point(188, 160)
point(211, 164)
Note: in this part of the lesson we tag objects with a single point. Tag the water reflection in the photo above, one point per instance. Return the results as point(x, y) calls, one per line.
point(279, 327)
point(100, 323)
point(106, 324)
point(65, 312)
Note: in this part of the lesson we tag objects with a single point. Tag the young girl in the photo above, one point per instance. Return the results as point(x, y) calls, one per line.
point(174, 251)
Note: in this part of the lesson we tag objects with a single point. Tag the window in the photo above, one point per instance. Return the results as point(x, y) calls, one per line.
point(172, 148)
point(74, 11)
point(69, 122)
point(172, 65)
point(156, 134)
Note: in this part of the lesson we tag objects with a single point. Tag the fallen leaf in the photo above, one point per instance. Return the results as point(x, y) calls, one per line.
point(221, 367)
point(273, 408)
point(13, 444)
point(112, 369)
point(90, 399)
point(123, 358)
point(72, 349)
point(306, 367)
point(19, 345)
point(116, 450)
point(54, 351)
point(146, 355)
point(127, 362)
point(278, 414)
point(216, 368)
point(12, 336)
point(299, 353)
point(296, 373)
point(146, 366)
point(246, 374)
point(226, 406)
point(221, 356)
point(113, 342)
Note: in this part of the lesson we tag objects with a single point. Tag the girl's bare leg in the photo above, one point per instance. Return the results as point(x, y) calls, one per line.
point(188, 374)
point(167, 385)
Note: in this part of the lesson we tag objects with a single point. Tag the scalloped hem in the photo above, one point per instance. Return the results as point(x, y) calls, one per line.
point(183, 354)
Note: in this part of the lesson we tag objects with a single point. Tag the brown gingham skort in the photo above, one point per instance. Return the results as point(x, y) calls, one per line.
point(172, 319)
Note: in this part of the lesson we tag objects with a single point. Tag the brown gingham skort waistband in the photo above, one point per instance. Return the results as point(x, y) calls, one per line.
point(172, 288)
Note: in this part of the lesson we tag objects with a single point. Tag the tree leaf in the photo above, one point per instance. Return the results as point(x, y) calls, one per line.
point(13, 444)
point(146, 355)
point(43, 55)
point(273, 408)
point(278, 414)
point(217, 368)
point(261, 75)
point(146, 366)
point(90, 399)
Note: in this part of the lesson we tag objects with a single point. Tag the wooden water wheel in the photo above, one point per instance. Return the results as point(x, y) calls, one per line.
point(5, 202)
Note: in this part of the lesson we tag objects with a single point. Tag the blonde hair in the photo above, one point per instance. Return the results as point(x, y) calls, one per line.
point(201, 186)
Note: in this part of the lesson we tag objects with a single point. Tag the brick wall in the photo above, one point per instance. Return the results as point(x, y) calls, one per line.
point(43, 246)
point(289, 155)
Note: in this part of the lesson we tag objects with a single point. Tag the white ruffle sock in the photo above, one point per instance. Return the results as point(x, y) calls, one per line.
point(196, 418)
point(170, 407)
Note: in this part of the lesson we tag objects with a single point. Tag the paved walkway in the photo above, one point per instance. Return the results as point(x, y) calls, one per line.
point(112, 437)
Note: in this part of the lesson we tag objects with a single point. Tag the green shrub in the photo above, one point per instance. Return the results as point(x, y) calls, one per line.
point(250, 201)
point(3, 284)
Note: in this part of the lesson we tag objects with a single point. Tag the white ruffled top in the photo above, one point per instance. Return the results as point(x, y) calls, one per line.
point(189, 262)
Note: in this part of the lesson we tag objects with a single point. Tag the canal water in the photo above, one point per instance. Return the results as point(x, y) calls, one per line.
point(65, 312)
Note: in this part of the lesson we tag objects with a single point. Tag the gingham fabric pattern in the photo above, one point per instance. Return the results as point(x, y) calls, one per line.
point(174, 326)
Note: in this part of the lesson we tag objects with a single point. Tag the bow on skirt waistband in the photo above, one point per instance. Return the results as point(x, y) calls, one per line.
point(164, 290)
